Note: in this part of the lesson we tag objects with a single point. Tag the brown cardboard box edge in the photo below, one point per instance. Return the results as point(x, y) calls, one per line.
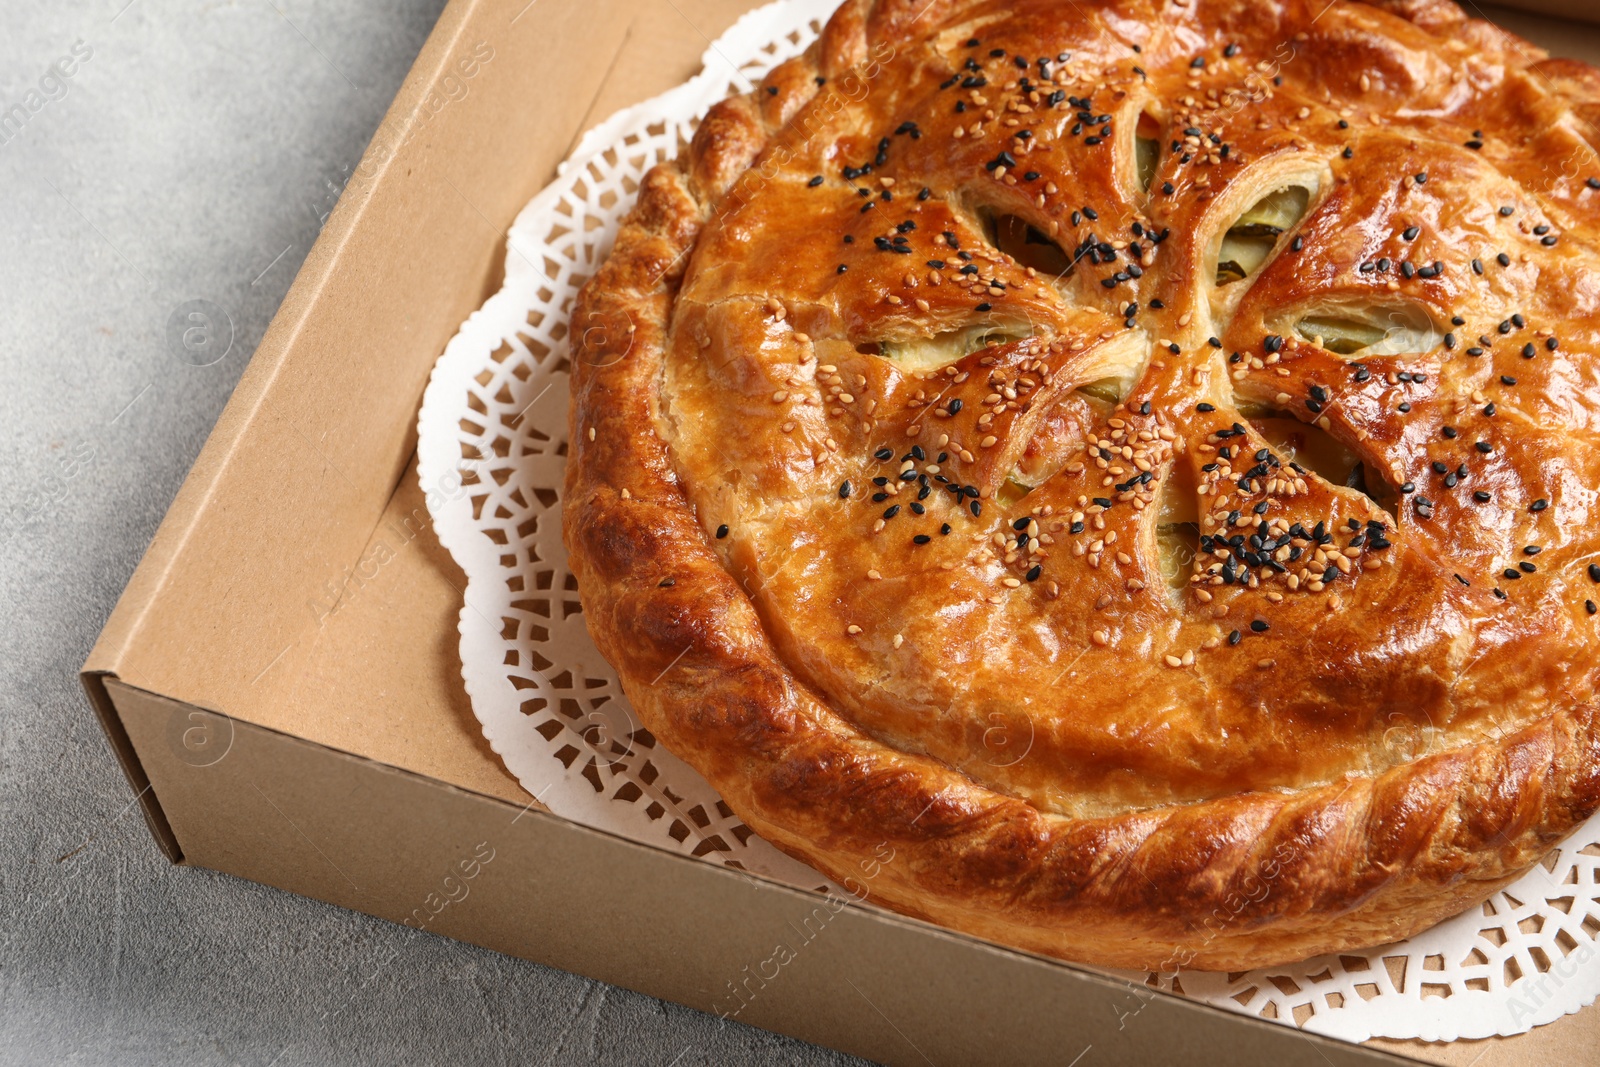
point(303, 817)
point(310, 467)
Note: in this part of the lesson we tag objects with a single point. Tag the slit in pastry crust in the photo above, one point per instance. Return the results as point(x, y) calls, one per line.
point(1311, 448)
point(919, 354)
point(1026, 243)
point(1146, 151)
point(1368, 331)
point(1251, 240)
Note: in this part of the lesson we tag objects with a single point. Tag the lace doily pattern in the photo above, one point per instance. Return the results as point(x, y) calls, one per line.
point(492, 451)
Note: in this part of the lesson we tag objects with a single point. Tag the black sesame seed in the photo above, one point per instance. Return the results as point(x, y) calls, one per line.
point(1540, 505)
point(1033, 572)
point(722, 531)
point(844, 490)
point(1594, 572)
point(1481, 496)
point(1259, 626)
point(921, 539)
point(814, 182)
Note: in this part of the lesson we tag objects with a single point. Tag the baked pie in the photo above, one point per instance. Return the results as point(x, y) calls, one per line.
point(1123, 471)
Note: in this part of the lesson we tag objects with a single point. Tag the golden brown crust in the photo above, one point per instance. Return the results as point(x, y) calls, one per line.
point(1360, 709)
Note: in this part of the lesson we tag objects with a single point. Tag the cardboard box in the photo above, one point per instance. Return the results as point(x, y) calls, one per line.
point(289, 714)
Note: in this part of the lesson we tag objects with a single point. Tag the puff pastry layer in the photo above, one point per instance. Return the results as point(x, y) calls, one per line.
point(1134, 463)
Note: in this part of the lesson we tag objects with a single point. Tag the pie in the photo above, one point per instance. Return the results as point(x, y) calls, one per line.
point(1117, 477)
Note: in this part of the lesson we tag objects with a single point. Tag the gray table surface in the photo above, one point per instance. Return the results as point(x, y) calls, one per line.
point(192, 154)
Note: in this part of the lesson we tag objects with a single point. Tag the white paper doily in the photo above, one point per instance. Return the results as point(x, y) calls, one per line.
point(491, 451)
